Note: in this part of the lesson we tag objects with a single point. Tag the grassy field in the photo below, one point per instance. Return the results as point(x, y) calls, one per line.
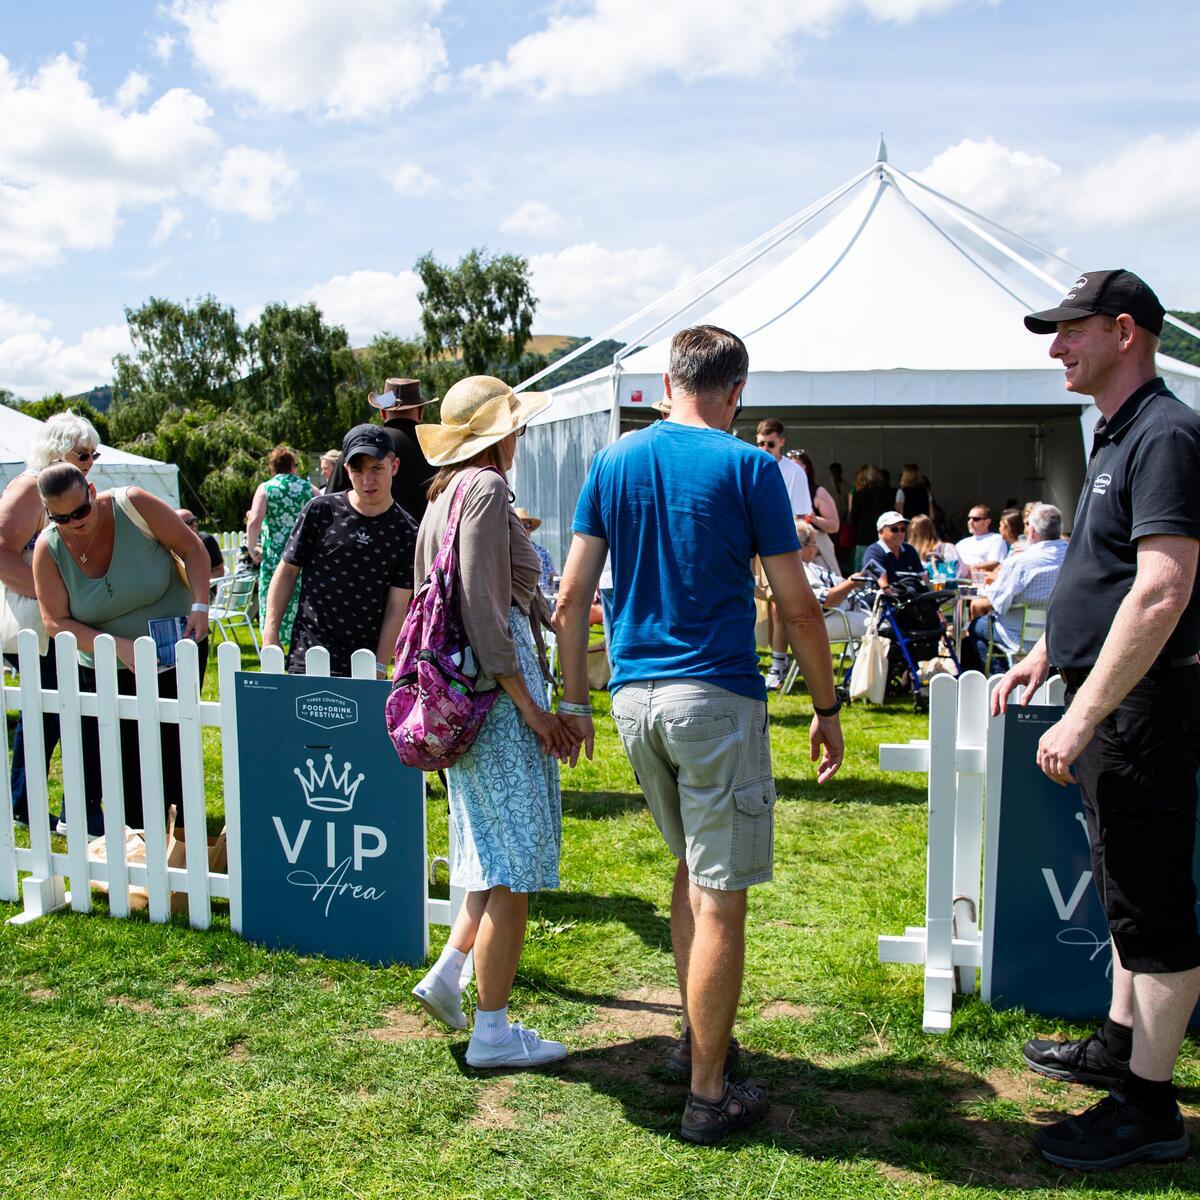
point(153, 1061)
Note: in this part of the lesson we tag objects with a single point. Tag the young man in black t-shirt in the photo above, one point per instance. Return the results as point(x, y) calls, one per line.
point(356, 550)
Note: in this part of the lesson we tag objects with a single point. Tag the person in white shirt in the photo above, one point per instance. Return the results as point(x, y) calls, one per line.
point(982, 549)
point(771, 438)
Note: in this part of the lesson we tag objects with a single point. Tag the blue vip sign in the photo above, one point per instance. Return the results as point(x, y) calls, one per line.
point(333, 825)
point(1049, 944)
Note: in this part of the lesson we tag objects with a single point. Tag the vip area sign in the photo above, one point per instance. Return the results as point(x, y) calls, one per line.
point(333, 825)
point(1048, 948)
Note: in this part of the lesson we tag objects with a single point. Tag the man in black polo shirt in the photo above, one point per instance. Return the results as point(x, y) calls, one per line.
point(402, 406)
point(891, 554)
point(1122, 629)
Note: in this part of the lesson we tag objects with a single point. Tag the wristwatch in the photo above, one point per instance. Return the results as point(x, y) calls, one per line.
point(828, 712)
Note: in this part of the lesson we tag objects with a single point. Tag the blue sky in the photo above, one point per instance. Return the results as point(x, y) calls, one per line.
point(313, 150)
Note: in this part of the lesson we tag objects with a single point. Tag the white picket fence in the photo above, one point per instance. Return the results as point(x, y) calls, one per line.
point(962, 757)
point(43, 888)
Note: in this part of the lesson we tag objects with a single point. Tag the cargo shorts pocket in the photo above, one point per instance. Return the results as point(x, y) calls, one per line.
point(753, 827)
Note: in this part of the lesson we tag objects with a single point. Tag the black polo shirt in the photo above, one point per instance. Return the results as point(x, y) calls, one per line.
point(1143, 478)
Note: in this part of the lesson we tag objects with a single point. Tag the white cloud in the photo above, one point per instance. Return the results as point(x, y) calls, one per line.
point(1139, 186)
point(587, 287)
point(71, 164)
point(251, 182)
point(537, 220)
point(618, 43)
point(162, 47)
point(33, 364)
point(353, 59)
point(369, 302)
point(167, 223)
point(411, 179)
point(134, 88)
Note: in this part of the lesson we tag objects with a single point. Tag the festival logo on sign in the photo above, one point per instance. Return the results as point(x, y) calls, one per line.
point(327, 710)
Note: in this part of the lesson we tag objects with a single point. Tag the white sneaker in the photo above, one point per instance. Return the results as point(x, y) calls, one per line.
point(774, 680)
point(522, 1048)
point(441, 1001)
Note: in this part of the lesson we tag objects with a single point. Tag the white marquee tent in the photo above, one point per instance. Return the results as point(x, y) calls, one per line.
point(116, 468)
point(884, 325)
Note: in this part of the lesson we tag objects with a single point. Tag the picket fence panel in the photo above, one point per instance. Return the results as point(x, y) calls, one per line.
point(962, 759)
point(43, 887)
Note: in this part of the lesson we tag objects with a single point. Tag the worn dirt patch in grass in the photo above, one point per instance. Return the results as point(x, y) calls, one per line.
point(237, 1052)
point(42, 994)
point(138, 1006)
point(493, 1111)
point(785, 1008)
point(641, 1013)
point(399, 1025)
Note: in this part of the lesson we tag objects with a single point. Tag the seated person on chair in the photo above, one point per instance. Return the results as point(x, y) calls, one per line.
point(1024, 580)
point(832, 591)
point(891, 552)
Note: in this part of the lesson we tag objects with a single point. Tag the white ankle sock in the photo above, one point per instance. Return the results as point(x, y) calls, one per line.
point(491, 1027)
point(448, 967)
point(778, 661)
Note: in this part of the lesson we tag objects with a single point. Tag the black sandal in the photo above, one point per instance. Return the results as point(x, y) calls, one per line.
point(708, 1121)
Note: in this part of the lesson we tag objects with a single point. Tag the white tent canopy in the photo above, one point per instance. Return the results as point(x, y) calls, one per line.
point(880, 310)
point(115, 468)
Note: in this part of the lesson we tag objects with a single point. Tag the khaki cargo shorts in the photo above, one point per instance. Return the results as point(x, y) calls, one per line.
point(702, 756)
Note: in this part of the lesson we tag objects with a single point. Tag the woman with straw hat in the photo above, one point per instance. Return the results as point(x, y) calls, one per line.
point(504, 793)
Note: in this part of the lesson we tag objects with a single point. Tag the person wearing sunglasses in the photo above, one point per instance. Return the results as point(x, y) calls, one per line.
point(110, 562)
point(65, 437)
point(891, 553)
point(981, 550)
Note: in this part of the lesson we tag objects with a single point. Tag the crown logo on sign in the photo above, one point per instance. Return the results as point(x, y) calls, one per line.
point(328, 781)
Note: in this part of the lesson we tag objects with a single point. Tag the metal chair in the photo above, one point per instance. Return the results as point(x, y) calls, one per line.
point(845, 637)
point(231, 606)
point(1033, 625)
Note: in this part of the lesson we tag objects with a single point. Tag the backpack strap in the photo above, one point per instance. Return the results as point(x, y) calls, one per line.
point(456, 505)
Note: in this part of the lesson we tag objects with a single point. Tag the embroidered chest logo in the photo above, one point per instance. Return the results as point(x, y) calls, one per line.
point(362, 537)
point(1100, 483)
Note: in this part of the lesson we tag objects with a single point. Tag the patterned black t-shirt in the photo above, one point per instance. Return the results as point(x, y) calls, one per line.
point(349, 562)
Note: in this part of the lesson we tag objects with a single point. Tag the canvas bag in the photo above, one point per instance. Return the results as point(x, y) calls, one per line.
point(436, 709)
point(868, 677)
point(19, 612)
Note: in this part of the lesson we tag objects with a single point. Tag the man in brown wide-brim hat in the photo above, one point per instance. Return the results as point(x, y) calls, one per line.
point(402, 406)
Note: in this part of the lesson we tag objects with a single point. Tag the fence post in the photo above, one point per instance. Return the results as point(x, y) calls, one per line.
point(154, 831)
point(43, 891)
point(108, 717)
point(968, 826)
point(70, 727)
point(191, 765)
point(939, 880)
point(229, 661)
point(272, 661)
point(316, 662)
point(9, 889)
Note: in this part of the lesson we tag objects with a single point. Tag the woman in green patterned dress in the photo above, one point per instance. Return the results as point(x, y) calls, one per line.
point(276, 505)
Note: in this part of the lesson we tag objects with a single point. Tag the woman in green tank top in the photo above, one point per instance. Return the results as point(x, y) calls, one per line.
point(104, 565)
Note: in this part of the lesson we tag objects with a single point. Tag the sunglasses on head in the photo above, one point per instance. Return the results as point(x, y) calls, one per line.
point(77, 515)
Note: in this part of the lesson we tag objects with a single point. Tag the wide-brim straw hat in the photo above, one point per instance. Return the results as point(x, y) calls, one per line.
point(663, 406)
point(477, 412)
point(523, 515)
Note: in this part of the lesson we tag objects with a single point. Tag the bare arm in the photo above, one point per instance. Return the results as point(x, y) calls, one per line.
point(393, 618)
point(20, 518)
point(172, 533)
point(258, 514)
point(825, 514)
point(805, 624)
point(581, 574)
point(283, 584)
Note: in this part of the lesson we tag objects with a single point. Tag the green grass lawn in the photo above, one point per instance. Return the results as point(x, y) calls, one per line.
point(154, 1061)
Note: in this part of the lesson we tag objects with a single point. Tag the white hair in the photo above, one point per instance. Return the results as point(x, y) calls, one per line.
point(60, 434)
point(1046, 521)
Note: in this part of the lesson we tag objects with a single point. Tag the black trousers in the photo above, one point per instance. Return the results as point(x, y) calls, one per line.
point(168, 688)
point(48, 675)
point(1138, 779)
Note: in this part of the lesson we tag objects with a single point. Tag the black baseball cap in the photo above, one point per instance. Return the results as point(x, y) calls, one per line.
point(366, 439)
point(1104, 293)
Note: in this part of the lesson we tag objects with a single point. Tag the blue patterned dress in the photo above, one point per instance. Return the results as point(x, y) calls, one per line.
point(505, 804)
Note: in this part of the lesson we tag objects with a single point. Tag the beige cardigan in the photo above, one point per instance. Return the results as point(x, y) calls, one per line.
point(498, 567)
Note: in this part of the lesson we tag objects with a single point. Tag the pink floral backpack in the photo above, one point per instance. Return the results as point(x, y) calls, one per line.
point(435, 711)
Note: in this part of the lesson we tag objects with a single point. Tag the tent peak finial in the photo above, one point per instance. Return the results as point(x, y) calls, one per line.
point(881, 153)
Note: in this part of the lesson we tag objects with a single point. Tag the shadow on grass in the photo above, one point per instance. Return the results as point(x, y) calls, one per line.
point(599, 805)
point(849, 791)
point(639, 916)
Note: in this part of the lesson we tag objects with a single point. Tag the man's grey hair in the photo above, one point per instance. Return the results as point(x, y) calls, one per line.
point(1046, 521)
point(804, 533)
point(707, 361)
point(61, 433)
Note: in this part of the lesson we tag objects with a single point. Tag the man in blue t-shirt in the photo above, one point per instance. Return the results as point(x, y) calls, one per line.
point(682, 508)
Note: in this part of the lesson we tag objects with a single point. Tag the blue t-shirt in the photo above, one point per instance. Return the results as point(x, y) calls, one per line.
point(684, 510)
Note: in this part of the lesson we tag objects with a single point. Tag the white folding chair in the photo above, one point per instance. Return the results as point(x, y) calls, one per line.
point(844, 636)
point(230, 609)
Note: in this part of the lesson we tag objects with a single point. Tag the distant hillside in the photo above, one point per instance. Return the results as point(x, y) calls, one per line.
point(1178, 344)
point(600, 355)
point(99, 397)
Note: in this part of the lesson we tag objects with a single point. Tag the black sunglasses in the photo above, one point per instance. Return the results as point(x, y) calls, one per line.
point(86, 455)
point(78, 515)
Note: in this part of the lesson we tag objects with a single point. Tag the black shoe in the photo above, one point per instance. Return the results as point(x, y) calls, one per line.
point(708, 1121)
point(679, 1061)
point(1110, 1134)
point(1085, 1061)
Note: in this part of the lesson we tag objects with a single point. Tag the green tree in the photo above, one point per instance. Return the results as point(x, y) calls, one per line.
point(8, 399)
point(480, 311)
point(49, 405)
point(1181, 345)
